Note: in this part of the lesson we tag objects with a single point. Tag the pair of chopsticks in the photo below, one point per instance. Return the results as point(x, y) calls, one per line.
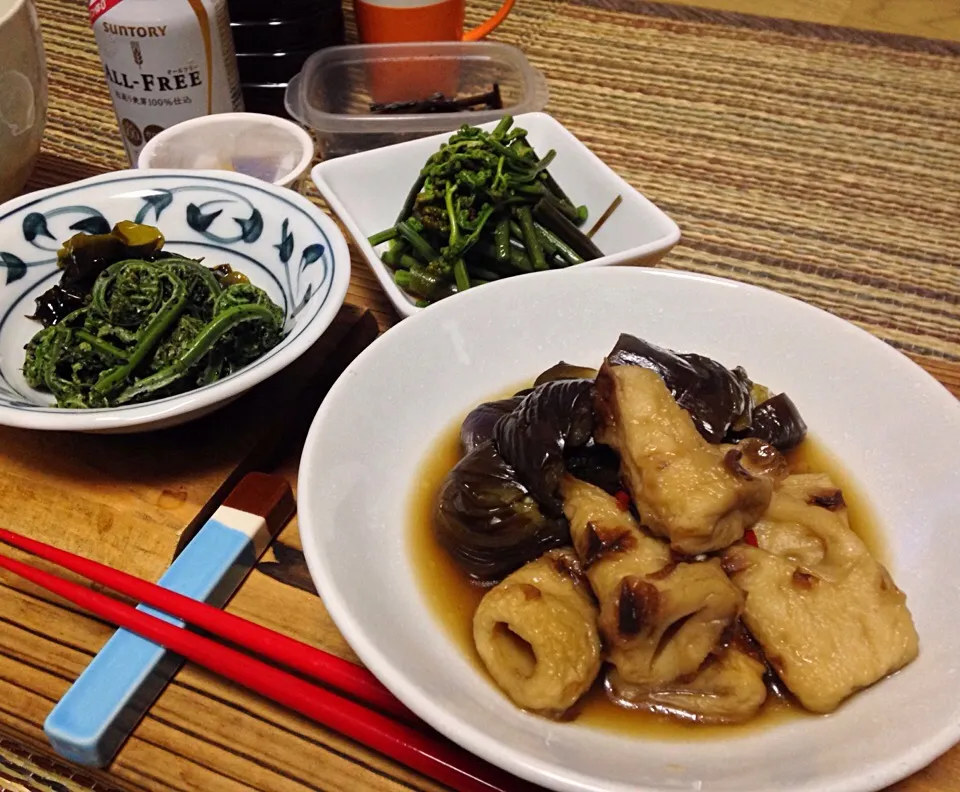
point(384, 725)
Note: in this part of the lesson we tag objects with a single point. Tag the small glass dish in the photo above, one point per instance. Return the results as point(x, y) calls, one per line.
point(272, 149)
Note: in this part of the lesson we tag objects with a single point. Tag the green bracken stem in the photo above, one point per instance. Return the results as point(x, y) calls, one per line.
point(153, 334)
point(545, 161)
point(470, 218)
point(501, 129)
point(556, 189)
point(486, 260)
point(202, 344)
point(100, 345)
point(546, 240)
point(452, 213)
point(391, 258)
point(417, 242)
point(559, 246)
point(530, 239)
point(559, 224)
point(501, 239)
point(499, 180)
point(484, 274)
point(508, 153)
point(460, 275)
point(519, 260)
point(411, 198)
point(425, 283)
point(566, 208)
point(469, 242)
point(533, 190)
point(386, 235)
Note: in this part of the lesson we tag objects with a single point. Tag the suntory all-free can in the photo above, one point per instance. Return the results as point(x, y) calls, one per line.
point(165, 61)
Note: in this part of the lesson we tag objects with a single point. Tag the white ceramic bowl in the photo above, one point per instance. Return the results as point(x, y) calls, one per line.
point(892, 426)
point(367, 190)
point(280, 240)
point(23, 94)
point(270, 148)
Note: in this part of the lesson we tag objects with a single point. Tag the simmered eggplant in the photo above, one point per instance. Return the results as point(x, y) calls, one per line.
point(597, 464)
point(565, 371)
point(477, 427)
point(499, 506)
point(778, 422)
point(555, 416)
point(488, 521)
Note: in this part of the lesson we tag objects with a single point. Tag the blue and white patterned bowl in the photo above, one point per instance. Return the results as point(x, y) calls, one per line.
point(281, 241)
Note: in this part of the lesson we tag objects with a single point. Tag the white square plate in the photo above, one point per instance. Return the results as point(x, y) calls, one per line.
point(367, 191)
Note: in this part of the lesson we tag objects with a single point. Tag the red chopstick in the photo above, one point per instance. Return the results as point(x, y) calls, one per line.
point(322, 666)
point(428, 754)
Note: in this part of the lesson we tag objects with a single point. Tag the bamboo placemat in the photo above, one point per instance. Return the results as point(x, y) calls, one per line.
point(818, 161)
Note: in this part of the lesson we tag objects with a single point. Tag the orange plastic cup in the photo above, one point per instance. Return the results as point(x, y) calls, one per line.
point(394, 21)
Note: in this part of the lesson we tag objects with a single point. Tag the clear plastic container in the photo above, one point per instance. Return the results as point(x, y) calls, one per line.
point(333, 92)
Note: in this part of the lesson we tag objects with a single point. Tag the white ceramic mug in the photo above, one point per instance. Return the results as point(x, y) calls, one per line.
point(23, 94)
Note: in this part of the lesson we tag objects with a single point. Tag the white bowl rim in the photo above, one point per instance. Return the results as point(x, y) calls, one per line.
point(307, 146)
point(15, 8)
point(467, 734)
point(400, 300)
point(111, 418)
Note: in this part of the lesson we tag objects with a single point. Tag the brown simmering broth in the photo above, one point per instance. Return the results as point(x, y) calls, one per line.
point(453, 597)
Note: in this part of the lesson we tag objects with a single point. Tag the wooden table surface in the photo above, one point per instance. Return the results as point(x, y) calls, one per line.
point(128, 502)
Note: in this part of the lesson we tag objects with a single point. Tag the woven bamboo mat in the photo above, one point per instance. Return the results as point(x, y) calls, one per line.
point(818, 161)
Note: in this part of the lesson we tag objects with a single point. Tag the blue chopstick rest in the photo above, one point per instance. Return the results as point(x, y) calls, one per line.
point(97, 714)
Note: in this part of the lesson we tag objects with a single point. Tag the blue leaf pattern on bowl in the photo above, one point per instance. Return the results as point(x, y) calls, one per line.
point(251, 227)
point(199, 221)
point(285, 248)
point(311, 253)
point(15, 267)
point(34, 225)
point(159, 201)
point(95, 224)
